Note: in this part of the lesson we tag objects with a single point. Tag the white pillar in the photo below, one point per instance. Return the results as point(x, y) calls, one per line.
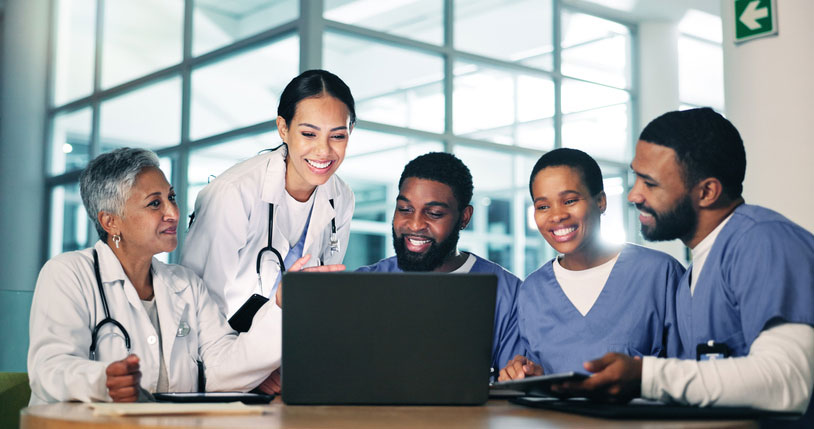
point(24, 46)
point(769, 87)
point(658, 94)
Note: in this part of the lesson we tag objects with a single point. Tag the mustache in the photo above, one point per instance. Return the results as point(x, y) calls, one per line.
point(648, 210)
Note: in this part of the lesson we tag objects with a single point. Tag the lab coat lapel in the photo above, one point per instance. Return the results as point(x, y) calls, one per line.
point(273, 193)
point(171, 298)
point(321, 215)
point(113, 275)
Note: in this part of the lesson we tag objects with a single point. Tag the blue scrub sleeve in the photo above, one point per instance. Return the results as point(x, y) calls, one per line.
point(771, 276)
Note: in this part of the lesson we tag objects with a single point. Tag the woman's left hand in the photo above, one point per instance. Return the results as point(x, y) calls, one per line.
point(298, 266)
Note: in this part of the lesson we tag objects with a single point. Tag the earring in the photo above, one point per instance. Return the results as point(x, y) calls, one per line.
point(117, 239)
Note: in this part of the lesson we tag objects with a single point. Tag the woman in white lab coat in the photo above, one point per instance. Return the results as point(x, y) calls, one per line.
point(163, 311)
point(290, 194)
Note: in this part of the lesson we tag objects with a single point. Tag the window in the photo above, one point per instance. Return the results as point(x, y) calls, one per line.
point(496, 86)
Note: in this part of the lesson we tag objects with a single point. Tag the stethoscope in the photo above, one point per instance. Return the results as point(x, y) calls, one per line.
point(333, 248)
point(94, 334)
point(183, 327)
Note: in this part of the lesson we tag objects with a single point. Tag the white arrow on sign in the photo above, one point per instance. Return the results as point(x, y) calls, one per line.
point(751, 14)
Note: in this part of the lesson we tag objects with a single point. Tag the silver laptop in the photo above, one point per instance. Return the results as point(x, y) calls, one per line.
point(375, 338)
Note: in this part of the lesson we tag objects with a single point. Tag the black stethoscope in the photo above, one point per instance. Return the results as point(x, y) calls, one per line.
point(183, 327)
point(94, 334)
point(334, 247)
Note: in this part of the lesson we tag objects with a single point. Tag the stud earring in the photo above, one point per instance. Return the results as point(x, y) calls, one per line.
point(117, 239)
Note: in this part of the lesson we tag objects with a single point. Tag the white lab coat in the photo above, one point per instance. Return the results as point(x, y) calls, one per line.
point(231, 227)
point(66, 307)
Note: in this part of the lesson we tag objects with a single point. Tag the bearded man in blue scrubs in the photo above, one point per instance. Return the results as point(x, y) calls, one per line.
point(745, 306)
point(432, 208)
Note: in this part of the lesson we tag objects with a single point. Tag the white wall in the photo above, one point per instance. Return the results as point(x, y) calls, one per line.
point(769, 87)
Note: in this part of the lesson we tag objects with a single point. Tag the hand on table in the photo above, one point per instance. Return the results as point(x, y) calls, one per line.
point(616, 378)
point(123, 378)
point(272, 384)
point(518, 368)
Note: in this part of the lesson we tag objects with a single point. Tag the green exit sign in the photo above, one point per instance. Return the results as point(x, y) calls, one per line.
point(755, 18)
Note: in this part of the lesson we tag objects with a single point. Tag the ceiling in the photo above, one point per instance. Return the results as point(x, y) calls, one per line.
point(648, 10)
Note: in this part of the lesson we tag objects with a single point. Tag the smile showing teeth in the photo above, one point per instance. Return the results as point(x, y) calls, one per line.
point(317, 164)
point(644, 214)
point(417, 242)
point(564, 231)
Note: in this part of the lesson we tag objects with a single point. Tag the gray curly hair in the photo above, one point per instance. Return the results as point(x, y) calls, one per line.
point(105, 183)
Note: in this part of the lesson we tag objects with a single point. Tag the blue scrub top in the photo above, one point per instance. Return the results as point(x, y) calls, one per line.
point(634, 314)
point(759, 272)
point(505, 341)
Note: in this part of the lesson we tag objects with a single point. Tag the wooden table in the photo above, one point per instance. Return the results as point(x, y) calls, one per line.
point(495, 414)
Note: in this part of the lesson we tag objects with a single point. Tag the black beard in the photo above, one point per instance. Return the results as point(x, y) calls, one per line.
point(430, 260)
point(679, 222)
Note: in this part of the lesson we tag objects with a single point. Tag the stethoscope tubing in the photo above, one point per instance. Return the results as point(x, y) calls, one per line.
point(94, 335)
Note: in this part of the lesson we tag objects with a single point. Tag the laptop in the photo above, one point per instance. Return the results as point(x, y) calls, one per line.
point(387, 338)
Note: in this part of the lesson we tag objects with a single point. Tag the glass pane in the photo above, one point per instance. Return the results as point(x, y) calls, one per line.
point(75, 49)
point(700, 73)
point(384, 166)
point(217, 23)
point(490, 233)
point(70, 141)
point(613, 221)
point(596, 120)
point(595, 49)
point(149, 117)
point(140, 37)
point(513, 30)
point(395, 86)
point(241, 90)
point(69, 221)
point(417, 19)
point(503, 106)
point(702, 24)
point(207, 163)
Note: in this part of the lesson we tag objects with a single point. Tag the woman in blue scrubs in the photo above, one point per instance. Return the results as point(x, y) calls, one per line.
point(594, 297)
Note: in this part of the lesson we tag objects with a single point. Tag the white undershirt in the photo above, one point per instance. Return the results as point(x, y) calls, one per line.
point(701, 251)
point(777, 374)
point(584, 286)
point(292, 218)
point(467, 266)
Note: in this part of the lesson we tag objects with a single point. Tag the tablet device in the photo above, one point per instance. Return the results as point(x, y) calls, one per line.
point(246, 398)
point(539, 385)
point(241, 321)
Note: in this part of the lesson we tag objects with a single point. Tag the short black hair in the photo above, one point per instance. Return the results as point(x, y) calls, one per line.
point(706, 145)
point(312, 83)
point(445, 168)
point(573, 158)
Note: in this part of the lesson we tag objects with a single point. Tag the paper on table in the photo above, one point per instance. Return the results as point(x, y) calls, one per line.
point(153, 408)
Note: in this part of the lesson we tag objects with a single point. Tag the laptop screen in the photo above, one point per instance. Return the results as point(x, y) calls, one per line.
point(387, 338)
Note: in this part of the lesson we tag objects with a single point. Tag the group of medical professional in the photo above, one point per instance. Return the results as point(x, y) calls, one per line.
point(112, 323)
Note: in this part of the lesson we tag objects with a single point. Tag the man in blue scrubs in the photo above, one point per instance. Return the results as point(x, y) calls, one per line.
point(432, 208)
point(745, 306)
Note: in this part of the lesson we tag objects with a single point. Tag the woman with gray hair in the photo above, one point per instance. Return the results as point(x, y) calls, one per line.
point(112, 322)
